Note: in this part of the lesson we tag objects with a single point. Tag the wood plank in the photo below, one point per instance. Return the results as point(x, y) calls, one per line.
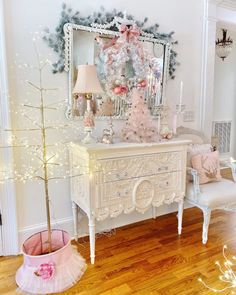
point(149, 258)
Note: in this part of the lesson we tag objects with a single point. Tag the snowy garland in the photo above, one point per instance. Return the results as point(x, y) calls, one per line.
point(56, 40)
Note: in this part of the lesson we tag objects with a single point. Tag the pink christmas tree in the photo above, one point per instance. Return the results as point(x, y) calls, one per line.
point(139, 125)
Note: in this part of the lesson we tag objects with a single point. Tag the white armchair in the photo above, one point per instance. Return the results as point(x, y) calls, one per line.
point(209, 196)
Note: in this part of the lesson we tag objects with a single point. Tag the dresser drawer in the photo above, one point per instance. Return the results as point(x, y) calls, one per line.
point(115, 169)
point(137, 193)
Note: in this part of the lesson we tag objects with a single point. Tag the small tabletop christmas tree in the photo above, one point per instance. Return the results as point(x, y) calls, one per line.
point(139, 125)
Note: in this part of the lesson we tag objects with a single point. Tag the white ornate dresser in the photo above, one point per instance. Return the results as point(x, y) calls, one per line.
point(120, 178)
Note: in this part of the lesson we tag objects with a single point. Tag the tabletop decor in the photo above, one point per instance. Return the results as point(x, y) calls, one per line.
point(50, 263)
point(139, 125)
point(180, 110)
point(87, 83)
point(108, 133)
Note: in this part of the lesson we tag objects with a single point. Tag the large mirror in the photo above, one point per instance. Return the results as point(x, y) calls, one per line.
point(82, 47)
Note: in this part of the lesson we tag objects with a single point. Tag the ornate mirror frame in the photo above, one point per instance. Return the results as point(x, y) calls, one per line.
point(69, 30)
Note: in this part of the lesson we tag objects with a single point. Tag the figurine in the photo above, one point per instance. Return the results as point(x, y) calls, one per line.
point(108, 133)
point(166, 133)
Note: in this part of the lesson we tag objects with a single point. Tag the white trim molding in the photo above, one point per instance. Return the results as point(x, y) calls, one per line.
point(207, 67)
point(228, 4)
point(7, 190)
point(210, 18)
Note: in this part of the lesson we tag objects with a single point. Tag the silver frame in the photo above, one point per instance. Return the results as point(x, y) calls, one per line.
point(69, 35)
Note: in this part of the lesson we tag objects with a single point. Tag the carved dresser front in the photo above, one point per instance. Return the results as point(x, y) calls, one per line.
point(109, 180)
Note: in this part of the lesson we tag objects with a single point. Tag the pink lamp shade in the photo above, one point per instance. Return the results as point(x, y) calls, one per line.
point(87, 80)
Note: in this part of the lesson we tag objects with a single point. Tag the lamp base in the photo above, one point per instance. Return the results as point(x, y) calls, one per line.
point(88, 138)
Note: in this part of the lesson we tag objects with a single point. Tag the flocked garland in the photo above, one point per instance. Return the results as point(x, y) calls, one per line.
point(57, 43)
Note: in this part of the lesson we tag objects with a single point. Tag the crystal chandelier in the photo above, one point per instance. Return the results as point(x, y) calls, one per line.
point(224, 46)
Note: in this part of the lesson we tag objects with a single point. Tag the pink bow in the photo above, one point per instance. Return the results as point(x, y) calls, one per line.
point(130, 33)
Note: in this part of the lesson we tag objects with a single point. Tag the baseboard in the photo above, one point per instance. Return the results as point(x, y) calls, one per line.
point(108, 224)
point(63, 223)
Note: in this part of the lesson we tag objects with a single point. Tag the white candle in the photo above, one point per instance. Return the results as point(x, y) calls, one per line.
point(159, 124)
point(181, 93)
point(157, 100)
point(174, 123)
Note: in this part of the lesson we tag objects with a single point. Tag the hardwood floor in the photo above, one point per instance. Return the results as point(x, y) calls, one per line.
point(149, 258)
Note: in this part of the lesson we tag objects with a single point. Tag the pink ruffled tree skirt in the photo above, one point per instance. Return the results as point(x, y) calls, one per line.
point(45, 273)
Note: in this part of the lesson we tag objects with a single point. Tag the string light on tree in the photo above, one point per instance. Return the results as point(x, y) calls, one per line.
point(38, 160)
point(227, 274)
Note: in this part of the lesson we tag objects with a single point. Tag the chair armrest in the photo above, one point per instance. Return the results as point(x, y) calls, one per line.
point(233, 169)
point(195, 176)
point(232, 165)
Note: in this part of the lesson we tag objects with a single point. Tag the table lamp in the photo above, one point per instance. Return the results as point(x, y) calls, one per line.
point(87, 83)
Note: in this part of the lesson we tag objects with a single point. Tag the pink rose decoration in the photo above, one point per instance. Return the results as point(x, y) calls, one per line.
point(46, 270)
point(88, 119)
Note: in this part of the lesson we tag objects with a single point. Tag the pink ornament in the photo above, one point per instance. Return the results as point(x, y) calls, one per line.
point(46, 271)
point(117, 89)
point(142, 83)
point(124, 89)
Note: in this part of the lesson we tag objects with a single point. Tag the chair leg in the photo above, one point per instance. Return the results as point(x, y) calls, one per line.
point(206, 221)
point(180, 216)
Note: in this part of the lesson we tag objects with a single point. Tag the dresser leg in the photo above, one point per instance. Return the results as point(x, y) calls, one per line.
point(92, 238)
point(180, 216)
point(75, 219)
point(154, 212)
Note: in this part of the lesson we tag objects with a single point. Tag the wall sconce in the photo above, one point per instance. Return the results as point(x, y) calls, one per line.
point(224, 46)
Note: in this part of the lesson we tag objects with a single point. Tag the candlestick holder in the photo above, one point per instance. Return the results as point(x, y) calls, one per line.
point(108, 133)
point(161, 112)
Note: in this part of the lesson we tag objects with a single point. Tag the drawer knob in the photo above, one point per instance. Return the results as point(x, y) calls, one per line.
point(163, 168)
point(120, 176)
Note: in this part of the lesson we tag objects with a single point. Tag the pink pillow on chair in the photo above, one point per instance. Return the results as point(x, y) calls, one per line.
point(196, 148)
point(207, 166)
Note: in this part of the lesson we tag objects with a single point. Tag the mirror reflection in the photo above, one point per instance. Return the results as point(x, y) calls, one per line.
point(93, 48)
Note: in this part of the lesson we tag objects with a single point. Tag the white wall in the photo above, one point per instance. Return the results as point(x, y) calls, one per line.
point(26, 17)
point(225, 87)
point(225, 76)
point(226, 15)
